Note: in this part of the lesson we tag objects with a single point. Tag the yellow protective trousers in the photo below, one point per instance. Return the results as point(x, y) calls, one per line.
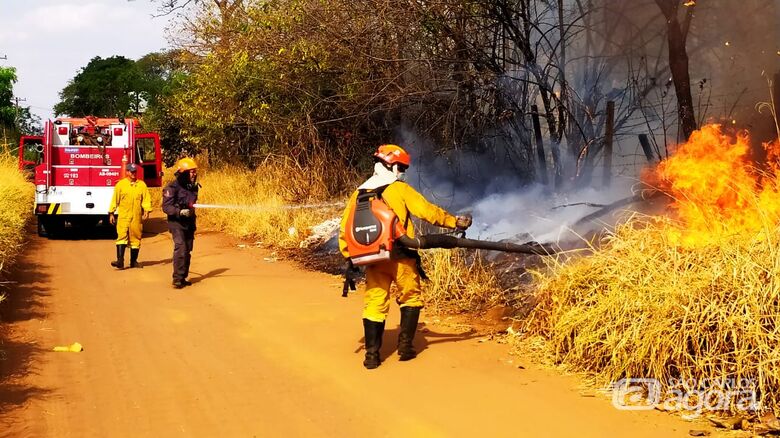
point(379, 278)
point(129, 230)
point(129, 202)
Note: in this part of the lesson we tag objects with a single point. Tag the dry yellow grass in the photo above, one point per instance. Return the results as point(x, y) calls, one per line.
point(265, 196)
point(458, 282)
point(644, 307)
point(16, 198)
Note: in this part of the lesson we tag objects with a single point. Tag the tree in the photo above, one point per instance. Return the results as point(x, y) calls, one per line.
point(677, 34)
point(7, 110)
point(263, 77)
point(105, 87)
point(14, 120)
point(163, 74)
point(27, 122)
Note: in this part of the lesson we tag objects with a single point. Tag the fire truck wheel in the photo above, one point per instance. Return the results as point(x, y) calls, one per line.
point(51, 227)
point(41, 229)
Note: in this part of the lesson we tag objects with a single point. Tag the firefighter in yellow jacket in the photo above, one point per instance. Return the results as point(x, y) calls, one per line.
point(130, 204)
point(401, 266)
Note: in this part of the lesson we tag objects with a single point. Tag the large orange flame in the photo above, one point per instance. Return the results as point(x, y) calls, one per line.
point(716, 191)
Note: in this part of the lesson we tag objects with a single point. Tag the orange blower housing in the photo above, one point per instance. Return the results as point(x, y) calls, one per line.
point(372, 228)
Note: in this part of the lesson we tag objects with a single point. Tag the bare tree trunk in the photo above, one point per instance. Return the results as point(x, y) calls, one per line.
point(609, 132)
point(677, 34)
point(776, 102)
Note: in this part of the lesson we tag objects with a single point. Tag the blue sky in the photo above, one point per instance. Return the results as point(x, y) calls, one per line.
point(48, 41)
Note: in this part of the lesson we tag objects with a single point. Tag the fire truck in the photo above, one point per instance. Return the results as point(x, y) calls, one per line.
point(76, 163)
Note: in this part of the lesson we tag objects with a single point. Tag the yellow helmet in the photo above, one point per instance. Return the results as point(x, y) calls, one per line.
point(186, 164)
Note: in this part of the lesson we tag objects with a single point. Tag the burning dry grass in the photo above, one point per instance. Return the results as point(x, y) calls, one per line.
point(16, 196)
point(265, 197)
point(696, 298)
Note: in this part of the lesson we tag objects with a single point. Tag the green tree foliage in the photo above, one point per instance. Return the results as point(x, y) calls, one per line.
point(163, 73)
point(14, 121)
point(7, 110)
point(105, 87)
point(119, 86)
point(28, 123)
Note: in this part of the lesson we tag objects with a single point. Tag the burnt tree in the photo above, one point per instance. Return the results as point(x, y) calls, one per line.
point(677, 34)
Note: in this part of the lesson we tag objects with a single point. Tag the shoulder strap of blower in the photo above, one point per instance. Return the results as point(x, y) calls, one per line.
point(380, 190)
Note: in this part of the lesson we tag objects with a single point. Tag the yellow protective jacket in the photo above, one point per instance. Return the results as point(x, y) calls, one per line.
point(130, 200)
point(403, 199)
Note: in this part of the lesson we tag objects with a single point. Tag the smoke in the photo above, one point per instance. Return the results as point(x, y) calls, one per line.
point(501, 200)
point(537, 215)
point(735, 46)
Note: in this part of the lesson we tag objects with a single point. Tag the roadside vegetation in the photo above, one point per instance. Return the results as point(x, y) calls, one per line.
point(643, 306)
point(259, 201)
point(16, 197)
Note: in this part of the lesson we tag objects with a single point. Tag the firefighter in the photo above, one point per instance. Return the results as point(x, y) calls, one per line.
point(402, 268)
point(130, 204)
point(179, 198)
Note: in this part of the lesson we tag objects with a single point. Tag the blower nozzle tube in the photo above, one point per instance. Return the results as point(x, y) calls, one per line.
point(449, 241)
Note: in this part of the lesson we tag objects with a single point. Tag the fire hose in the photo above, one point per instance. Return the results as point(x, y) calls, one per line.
point(268, 208)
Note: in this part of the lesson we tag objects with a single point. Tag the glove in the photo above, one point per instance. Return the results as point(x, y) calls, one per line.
point(185, 212)
point(463, 222)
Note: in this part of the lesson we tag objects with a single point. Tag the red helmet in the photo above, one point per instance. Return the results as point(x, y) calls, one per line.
point(393, 154)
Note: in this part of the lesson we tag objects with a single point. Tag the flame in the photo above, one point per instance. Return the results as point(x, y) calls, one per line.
point(717, 193)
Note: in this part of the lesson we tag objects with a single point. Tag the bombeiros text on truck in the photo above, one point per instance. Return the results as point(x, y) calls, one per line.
point(76, 163)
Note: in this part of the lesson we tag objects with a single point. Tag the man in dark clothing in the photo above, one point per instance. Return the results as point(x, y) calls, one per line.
point(179, 198)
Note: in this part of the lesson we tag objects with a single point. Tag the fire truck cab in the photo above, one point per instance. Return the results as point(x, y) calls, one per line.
point(76, 163)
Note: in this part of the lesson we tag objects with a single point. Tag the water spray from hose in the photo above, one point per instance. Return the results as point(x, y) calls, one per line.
point(268, 208)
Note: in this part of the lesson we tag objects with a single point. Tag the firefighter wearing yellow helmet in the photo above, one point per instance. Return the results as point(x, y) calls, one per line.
point(130, 204)
point(375, 215)
point(179, 198)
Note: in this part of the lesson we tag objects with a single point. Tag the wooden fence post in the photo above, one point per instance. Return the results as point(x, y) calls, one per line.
point(645, 142)
point(609, 131)
point(539, 145)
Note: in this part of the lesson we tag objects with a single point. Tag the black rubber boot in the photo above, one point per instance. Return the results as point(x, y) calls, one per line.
point(120, 257)
point(134, 258)
point(409, 318)
point(373, 333)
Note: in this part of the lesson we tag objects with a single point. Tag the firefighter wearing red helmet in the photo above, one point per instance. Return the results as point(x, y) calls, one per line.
point(179, 198)
point(130, 204)
point(375, 216)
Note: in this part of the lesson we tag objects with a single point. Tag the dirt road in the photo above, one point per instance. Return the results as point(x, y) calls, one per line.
point(255, 347)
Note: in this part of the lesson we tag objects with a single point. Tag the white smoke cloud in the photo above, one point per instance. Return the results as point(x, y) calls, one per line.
point(535, 214)
point(502, 203)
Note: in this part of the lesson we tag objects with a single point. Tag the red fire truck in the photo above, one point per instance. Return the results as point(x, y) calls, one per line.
point(76, 163)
